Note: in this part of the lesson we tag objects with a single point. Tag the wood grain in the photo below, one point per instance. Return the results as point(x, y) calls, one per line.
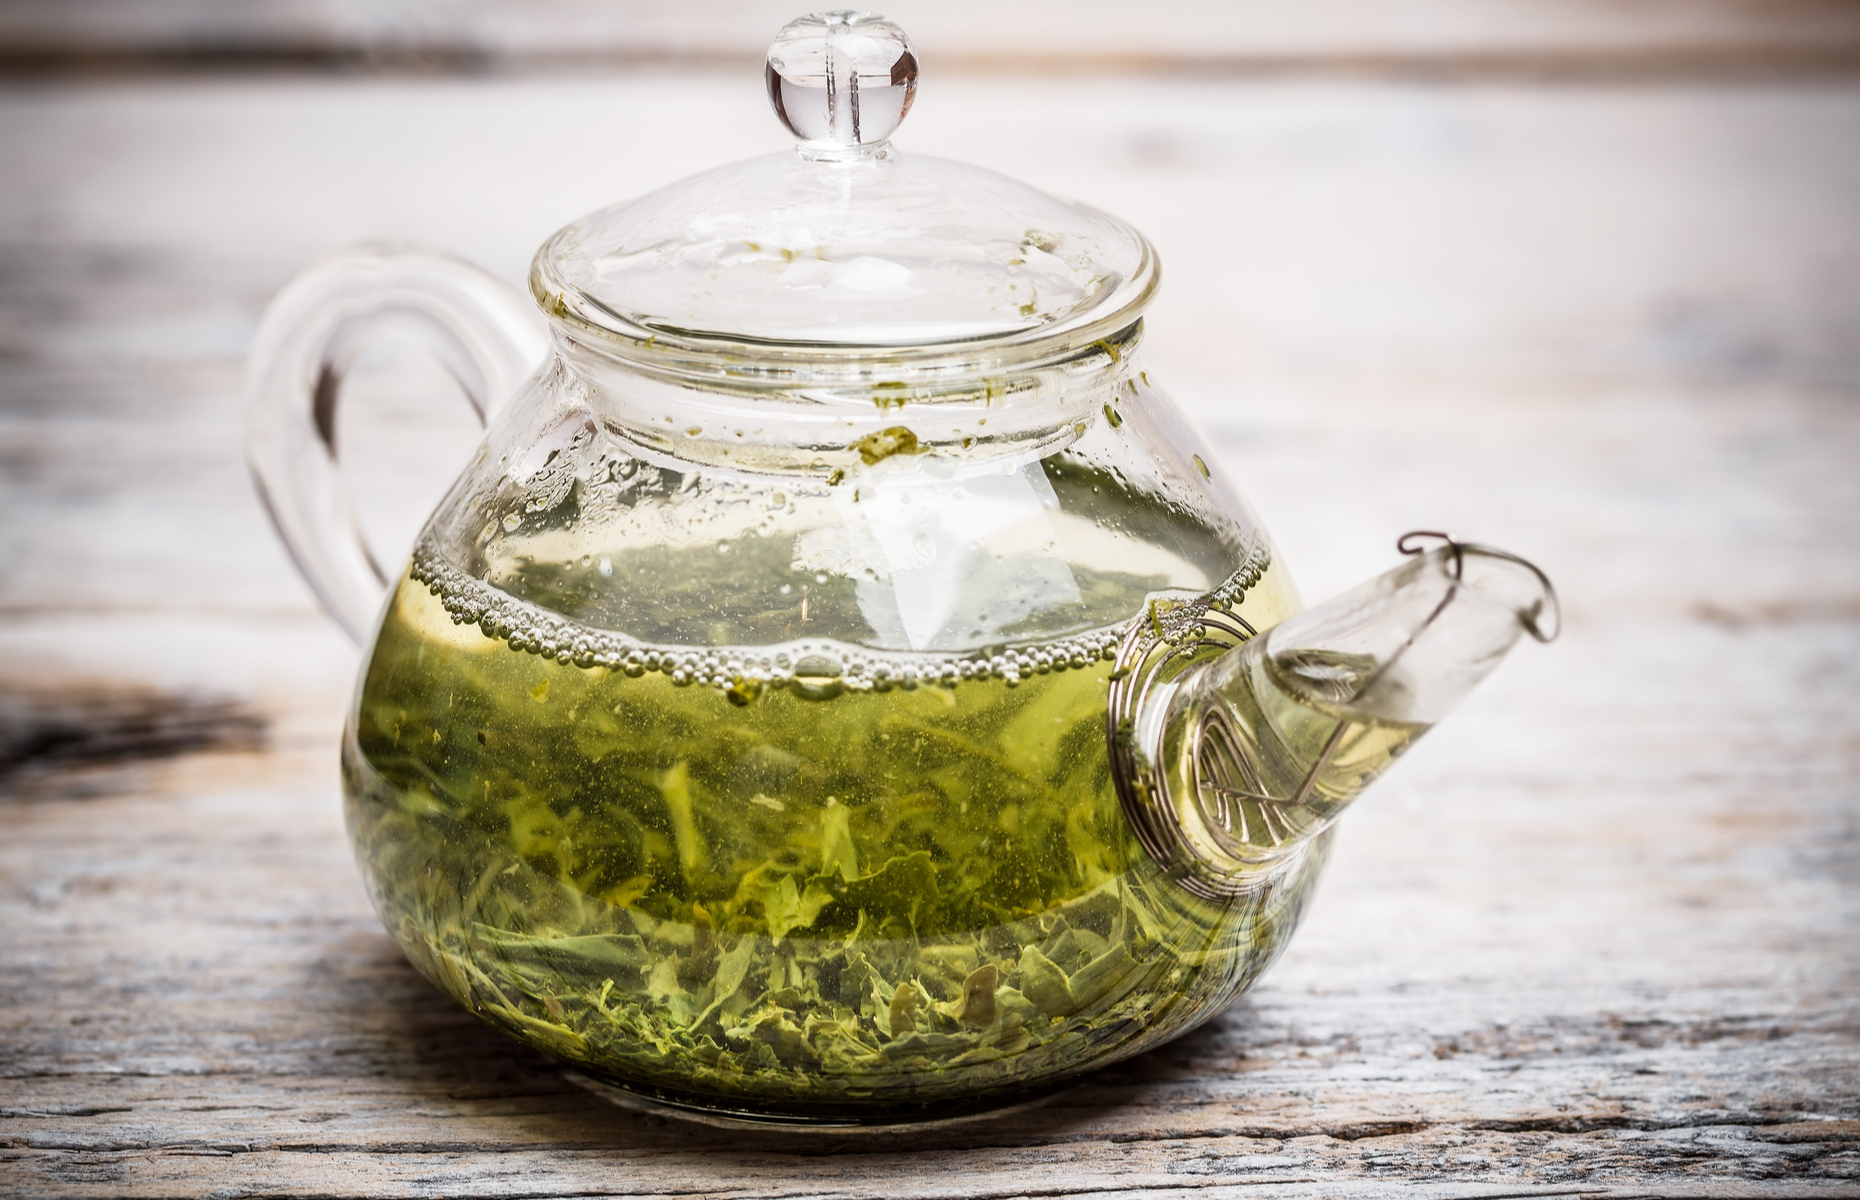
point(1450, 38)
point(1597, 936)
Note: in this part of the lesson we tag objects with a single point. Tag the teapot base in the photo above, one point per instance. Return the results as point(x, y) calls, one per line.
point(890, 1119)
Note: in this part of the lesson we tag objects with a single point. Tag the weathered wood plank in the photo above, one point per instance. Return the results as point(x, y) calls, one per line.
point(1597, 935)
point(1583, 37)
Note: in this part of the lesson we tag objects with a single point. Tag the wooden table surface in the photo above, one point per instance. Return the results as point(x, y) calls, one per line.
point(1599, 934)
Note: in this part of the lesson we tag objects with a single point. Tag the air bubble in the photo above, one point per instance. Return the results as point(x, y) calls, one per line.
point(523, 627)
point(817, 677)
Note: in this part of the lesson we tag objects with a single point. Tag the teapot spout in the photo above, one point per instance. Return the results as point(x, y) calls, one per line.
point(1232, 752)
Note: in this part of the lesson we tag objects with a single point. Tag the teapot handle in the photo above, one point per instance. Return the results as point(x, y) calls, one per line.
point(485, 333)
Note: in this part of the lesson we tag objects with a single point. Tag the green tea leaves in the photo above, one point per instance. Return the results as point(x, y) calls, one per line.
point(903, 1010)
point(846, 903)
point(1044, 984)
point(785, 906)
point(675, 785)
point(838, 855)
point(978, 996)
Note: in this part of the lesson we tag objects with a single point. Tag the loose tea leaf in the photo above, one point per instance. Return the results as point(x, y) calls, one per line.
point(876, 902)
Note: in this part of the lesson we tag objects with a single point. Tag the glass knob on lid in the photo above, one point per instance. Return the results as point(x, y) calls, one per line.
point(842, 257)
point(841, 81)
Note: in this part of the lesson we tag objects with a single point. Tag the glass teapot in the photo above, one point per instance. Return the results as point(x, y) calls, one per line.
point(833, 693)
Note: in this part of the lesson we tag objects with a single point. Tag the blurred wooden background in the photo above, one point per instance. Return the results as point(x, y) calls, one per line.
point(1571, 37)
point(1577, 278)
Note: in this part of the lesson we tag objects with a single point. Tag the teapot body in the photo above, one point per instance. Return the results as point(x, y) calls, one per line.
point(835, 692)
point(747, 747)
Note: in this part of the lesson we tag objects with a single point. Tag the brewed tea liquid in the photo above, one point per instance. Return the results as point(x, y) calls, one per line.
point(1283, 749)
point(785, 897)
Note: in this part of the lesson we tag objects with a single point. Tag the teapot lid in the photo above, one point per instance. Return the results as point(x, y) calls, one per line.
point(845, 248)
